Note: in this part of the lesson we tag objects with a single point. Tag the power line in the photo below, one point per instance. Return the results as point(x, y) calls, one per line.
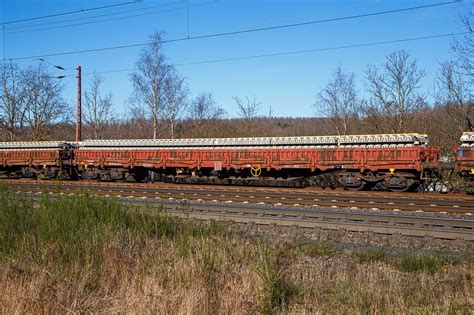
point(108, 20)
point(91, 17)
point(297, 52)
point(324, 49)
point(70, 12)
point(52, 65)
point(350, 17)
point(239, 32)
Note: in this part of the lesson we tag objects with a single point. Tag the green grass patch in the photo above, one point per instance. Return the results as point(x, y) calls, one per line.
point(369, 255)
point(313, 249)
point(421, 262)
point(430, 262)
point(276, 290)
point(350, 297)
point(68, 233)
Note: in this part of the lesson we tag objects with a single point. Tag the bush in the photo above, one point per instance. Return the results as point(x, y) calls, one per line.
point(421, 262)
point(369, 255)
point(276, 291)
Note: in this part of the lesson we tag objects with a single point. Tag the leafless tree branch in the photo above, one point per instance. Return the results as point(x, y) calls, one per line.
point(338, 101)
point(394, 93)
point(97, 107)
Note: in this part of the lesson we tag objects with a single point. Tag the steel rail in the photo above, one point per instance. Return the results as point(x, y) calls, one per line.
point(253, 189)
point(246, 190)
point(287, 198)
point(320, 214)
point(351, 227)
point(443, 228)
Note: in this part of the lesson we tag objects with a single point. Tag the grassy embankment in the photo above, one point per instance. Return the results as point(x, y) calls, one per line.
point(92, 255)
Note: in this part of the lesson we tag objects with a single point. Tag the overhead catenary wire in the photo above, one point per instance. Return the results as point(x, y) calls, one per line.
point(349, 17)
point(187, 7)
point(109, 19)
point(252, 30)
point(70, 12)
point(325, 49)
point(53, 65)
point(95, 16)
point(286, 53)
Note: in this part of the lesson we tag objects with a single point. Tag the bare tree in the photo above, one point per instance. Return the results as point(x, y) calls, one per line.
point(248, 108)
point(97, 107)
point(148, 81)
point(12, 99)
point(455, 92)
point(45, 105)
point(203, 111)
point(204, 107)
point(394, 92)
point(463, 49)
point(455, 82)
point(338, 101)
point(248, 111)
point(175, 99)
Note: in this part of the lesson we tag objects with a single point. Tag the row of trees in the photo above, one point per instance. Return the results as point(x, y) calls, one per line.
point(31, 103)
point(395, 103)
point(30, 100)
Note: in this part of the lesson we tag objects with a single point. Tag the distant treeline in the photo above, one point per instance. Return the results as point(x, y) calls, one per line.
point(433, 121)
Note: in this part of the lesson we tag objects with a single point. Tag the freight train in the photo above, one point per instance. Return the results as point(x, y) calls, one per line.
point(394, 162)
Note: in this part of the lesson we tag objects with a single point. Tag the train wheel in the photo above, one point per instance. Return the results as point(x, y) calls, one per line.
point(400, 188)
point(397, 184)
point(14, 175)
point(354, 187)
point(352, 182)
point(90, 175)
point(50, 174)
point(27, 173)
point(117, 176)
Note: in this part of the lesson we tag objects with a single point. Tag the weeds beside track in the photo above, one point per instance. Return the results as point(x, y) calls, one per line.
point(83, 254)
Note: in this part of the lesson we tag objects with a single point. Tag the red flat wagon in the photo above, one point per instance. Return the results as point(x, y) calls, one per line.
point(396, 162)
point(47, 159)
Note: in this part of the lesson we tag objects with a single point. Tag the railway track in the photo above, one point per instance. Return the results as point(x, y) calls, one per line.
point(461, 205)
point(378, 223)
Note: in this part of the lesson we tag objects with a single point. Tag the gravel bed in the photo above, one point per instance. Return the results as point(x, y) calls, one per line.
point(327, 208)
point(351, 239)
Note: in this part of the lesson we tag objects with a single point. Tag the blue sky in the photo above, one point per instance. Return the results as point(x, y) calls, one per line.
point(286, 83)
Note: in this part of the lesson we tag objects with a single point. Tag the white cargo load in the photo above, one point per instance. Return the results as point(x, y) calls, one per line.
point(467, 139)
point(392, 140)
point(32, 145)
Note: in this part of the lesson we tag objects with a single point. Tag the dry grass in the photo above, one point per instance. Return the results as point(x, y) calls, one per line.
point(89, 255)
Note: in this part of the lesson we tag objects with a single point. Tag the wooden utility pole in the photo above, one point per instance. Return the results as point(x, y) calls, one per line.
point(79, 107)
